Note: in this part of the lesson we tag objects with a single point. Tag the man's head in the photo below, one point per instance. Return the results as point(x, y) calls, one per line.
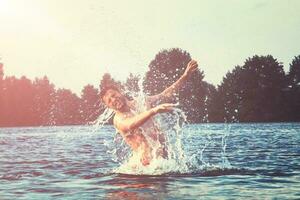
point(113, 98)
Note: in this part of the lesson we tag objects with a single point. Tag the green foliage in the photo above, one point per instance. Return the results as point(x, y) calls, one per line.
point(132, 83)
point(292, 91)
point(253, 92)
point(66, 108)
point(90, 106)
point(257, 91)
point(1, 72)
point(43, 100)
point(165, 69)
point(1, 90)
point(107, 80)
point(294, 73)
point(167, 66)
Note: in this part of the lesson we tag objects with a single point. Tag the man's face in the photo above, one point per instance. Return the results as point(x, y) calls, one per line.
point(114, 99)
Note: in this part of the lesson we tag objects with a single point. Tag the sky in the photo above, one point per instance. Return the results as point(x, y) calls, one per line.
point(75, 42)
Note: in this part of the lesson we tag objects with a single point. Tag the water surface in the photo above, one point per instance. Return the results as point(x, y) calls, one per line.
point(73, 162)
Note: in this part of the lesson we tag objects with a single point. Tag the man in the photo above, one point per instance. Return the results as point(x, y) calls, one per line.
point(137, 128)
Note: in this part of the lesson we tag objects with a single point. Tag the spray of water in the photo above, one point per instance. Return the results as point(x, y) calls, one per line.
point(103, 119)
point(225, 162)
point(172, 126)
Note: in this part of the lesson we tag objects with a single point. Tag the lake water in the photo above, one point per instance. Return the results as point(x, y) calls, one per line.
point(254, 161)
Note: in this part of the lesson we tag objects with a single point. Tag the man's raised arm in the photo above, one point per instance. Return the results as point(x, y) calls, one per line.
point(127, 124)
point(170, 92)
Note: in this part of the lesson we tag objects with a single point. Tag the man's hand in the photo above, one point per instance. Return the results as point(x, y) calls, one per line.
point(191, 67)
point(166, 107)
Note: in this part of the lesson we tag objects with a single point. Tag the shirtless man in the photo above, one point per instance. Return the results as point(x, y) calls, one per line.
point(131, 123)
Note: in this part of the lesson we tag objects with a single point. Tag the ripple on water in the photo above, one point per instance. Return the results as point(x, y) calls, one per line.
point(68, 163)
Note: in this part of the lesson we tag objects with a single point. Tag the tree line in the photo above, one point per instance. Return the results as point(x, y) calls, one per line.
point(257, 91)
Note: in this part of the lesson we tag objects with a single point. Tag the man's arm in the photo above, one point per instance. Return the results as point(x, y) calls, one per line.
point(127, 124)
point(171, 91)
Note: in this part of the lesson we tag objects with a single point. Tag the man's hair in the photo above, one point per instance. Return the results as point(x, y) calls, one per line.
point(106, 88)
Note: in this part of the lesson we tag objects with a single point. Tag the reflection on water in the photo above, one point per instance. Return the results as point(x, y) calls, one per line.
point(138, 187)
point(75, 163)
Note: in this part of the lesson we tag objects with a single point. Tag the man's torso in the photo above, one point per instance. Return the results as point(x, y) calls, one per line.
point(139, 139)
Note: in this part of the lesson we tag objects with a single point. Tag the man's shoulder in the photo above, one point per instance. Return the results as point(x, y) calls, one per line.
point(118, 117)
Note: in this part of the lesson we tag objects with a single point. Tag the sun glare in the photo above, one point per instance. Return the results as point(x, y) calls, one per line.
point(8, 8)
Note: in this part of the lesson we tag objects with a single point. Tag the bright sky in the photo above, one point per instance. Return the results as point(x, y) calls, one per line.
point(75, 42)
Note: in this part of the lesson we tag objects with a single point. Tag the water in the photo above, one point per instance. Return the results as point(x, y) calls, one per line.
point(260, 161)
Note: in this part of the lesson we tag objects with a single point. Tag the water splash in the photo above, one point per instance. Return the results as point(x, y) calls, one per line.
point(172, 125)
point(168, 124)
point(225, 162)
point(103, 119)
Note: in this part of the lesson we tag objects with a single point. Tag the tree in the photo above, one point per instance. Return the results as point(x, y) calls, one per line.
point(212, 107)
point(165, 69)
point(1, 72)
point(17, 102)
point(132, 83)
point(292, 91)
point(43, 100)
point(253, 92)
point(66, 108)
point(107, 80)
point(1, 94)
point(90, 106)
point(294, 73)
